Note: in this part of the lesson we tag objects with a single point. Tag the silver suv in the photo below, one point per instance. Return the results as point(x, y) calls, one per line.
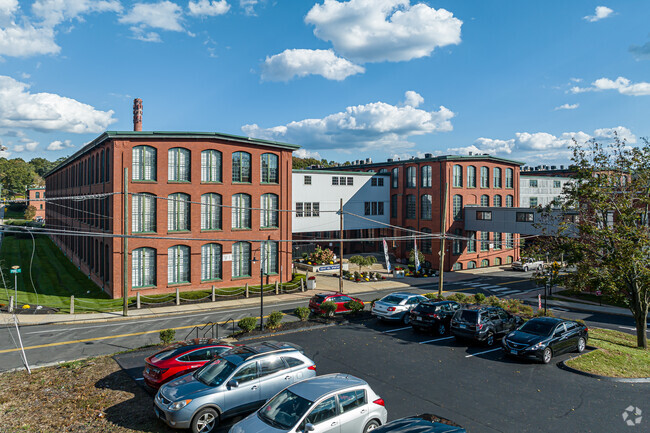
point(238, 381)
point(325, 404)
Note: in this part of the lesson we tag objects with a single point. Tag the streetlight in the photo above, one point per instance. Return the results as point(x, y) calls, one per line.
point(261, 289)
point(15, 270)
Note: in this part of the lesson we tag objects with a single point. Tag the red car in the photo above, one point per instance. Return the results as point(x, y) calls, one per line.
point(338, 298)
point(180, 358)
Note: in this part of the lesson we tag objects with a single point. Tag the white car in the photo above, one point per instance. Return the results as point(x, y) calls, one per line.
point(528, 264)
point(397, 306)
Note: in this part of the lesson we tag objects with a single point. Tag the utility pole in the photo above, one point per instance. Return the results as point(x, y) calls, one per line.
point(443, 231)
point(341, 247)
point(125, 243)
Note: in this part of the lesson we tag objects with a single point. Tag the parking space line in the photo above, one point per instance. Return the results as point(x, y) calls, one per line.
point(558, 308)
point(395, 330)
point(139, 378)
point(481, 353)
point(435, 339)
point(501, 289)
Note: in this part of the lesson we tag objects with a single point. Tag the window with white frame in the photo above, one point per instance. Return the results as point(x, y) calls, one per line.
point(241, 259)
point(485, 177)
point(532, 183)
point(510, 175)
point(457, 244)
point(270, 214)
point(350, 181)
point(178, 264)
point(307, 180)
point(211, 262)
point(533, 202)
point(178, 212)
point(485, 200)
point(270, 257)
point(270, 170)
point(411, 177)
point(377, 181)
point(510, 242)
point(471, 177)
point(458, 176)
point(299, 210)
point(425, 207)
point(241, 211)
point(143, 165)
point(373, 208)
point(485, 241)
point(178, 165)
point(425, 176)
point(496, 173)
point(471, 242)
point(211, 211)
point(497, 200)
point(143, 213)
point(457, 207)
point(335, 180)
point(510, 201)
point(143, 267)
point(241, 167)
point(210, 166)
point(498, 239)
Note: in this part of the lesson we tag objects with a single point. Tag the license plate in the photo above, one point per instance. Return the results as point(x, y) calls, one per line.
point(463, 326)
point(513, 351)
point(419, 318)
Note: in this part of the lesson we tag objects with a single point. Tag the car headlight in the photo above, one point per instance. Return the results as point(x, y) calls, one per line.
point(536, 346)
point(178, 405)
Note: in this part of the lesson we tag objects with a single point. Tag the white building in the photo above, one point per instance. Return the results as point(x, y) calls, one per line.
point(540, 189)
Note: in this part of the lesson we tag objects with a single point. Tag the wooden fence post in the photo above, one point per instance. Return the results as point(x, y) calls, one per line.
point(178, 297)
point(137, 300)
point(214, 294)
point(246, 293)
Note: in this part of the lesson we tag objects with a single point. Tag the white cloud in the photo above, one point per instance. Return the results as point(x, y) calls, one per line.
point(300, 63)
point(413, 99)
point(575, 80)
point(26, 40)
point(304, 153)
point(383, 30)
point(567, 107)
point(609, 133)
point(54, 12)
point(208, 8)
point(7, 10)
point(621, 84)
point(59, 145)
point(28, 145)
point(248, 6)
point(600, 13)
point(376, 125)
point(164, 15)
point(47, 111)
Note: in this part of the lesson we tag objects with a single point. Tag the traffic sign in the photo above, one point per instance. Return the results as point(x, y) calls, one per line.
point(15, 271)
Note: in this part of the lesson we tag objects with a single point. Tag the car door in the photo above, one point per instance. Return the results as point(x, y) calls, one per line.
point(274, 376)
point(495, 321)
point(340, 303)
point(246, 395)
point(325, 416)
point(560, 339)
point(573, 333)
point(353, 408)
point(507, 321)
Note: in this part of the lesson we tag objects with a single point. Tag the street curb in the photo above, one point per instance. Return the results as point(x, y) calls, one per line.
point(562, 365)
point(291, 331)
point(615, 313)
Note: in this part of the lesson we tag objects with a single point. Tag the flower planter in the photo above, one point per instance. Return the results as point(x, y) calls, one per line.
point(398, 273)
point(311, 284)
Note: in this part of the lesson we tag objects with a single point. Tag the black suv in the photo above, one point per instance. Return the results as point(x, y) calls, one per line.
point(433, 315)
point(483, 324)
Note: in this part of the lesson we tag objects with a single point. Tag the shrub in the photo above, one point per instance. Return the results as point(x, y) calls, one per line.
point(459, 297)
point(328, 308)
point(247, 324)
point(167, 335)
point(274, 320)
point(372, 303)
point(493, 301)
point(526, 310)
point(354, 306)
point(479, 298)
point(540, 313)
point(302, 313)
point(430, 295)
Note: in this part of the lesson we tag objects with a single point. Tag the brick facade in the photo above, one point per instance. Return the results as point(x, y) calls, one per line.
point(35, 197)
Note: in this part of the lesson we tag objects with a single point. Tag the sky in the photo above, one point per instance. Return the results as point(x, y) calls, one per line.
point(345, 80)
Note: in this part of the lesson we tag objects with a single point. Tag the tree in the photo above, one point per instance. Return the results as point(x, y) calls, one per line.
point(42, 165)
point(363, 261)
point(412, 257)
point(15, 175)
point(30, 212)
point(608, 240)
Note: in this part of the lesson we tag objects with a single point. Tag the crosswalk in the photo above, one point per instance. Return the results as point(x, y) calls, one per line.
point(497, 290)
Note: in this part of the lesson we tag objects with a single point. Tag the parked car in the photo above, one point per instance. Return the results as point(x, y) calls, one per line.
point(543, 337)
point(527, 264)
point(483, 324)
point(180, 358)
point(425, 423)
point(433, 316)
point(397, 306)
point(338, 298)
point(239, 381)
point(332, 403)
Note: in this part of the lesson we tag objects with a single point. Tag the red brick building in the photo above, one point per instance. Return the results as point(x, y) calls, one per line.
point(417, 195)
point(201, 206)
point(36, 198)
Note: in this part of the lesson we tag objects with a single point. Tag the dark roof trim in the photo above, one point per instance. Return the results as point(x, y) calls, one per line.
point(434, 159)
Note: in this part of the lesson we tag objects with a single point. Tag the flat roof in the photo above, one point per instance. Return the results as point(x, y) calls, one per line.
point(321, 171)
point(38, 187)
point(169, 135)
point(434, 159)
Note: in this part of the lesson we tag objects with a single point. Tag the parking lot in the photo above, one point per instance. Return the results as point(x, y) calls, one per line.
point(474, 385)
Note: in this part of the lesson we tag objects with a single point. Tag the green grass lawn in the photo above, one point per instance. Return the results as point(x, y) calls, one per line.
point(586, 296)
point(617, 355)
point(15, 212)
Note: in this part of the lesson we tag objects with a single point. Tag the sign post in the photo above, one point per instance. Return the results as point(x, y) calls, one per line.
point(15, 270)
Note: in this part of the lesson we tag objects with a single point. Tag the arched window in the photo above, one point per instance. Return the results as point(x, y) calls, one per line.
point(471, 177)
point(241, 259)
point(426, 242)
point(497, 261)
point(210, 262)
point(485, 200)
point(38, 194)
point(485, 263)
point(394, 175)
point(509, 259)
point(457, 207)
point(425, 176)
point(178, 212)
point(210, 166)
point(178, 264)
point(143, 213)
point(510, 201)
point(458, 176)
point(411, 177)
point(471, 264)
point(509, 178)
point(108, 171)
point(178, 165)
point(425, 207)
point(102, 167)
point(269, 214)
point(270, 172)
point(496, 173)
point(457, 266)
point(143, 267)
point(143, 165)
point(241, 211)
point(270, 257)
point(497, 200)
point(211, 211)
point(485, 177)
point(411, 207)
point(241, 167)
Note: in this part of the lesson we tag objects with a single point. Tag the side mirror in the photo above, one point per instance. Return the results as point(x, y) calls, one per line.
point(309, 427)
point(232, 384)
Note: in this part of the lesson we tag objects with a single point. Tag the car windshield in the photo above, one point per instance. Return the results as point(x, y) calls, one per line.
point(215, 373)
point(467, 316)
point(319, 299)
point(538, 327)
point(392, 299)
point(427, 308)
point(165, 354)
point(284, 410)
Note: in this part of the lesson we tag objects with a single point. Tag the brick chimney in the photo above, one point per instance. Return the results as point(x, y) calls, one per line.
point(137, 114)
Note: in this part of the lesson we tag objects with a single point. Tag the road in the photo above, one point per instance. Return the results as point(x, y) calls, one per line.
point(47, 344)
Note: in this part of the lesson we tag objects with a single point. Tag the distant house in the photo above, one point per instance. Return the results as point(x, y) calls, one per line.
point(36, 198)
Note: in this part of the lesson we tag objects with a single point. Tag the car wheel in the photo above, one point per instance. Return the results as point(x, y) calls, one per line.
point(489, 340)
point(442, 329)
point(372, 424)
point(406, 318)
point(547, 355)
point(525, 268)
point(205, 421)
point(581, 345)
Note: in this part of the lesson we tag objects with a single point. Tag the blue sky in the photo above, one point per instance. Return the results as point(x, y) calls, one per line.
point(345, 80)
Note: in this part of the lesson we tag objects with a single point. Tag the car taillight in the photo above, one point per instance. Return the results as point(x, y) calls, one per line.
point(435, 316)
point(586, 329)
point(479, 326)
point(380, 402)
point(312, 367)
point(391, 308)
